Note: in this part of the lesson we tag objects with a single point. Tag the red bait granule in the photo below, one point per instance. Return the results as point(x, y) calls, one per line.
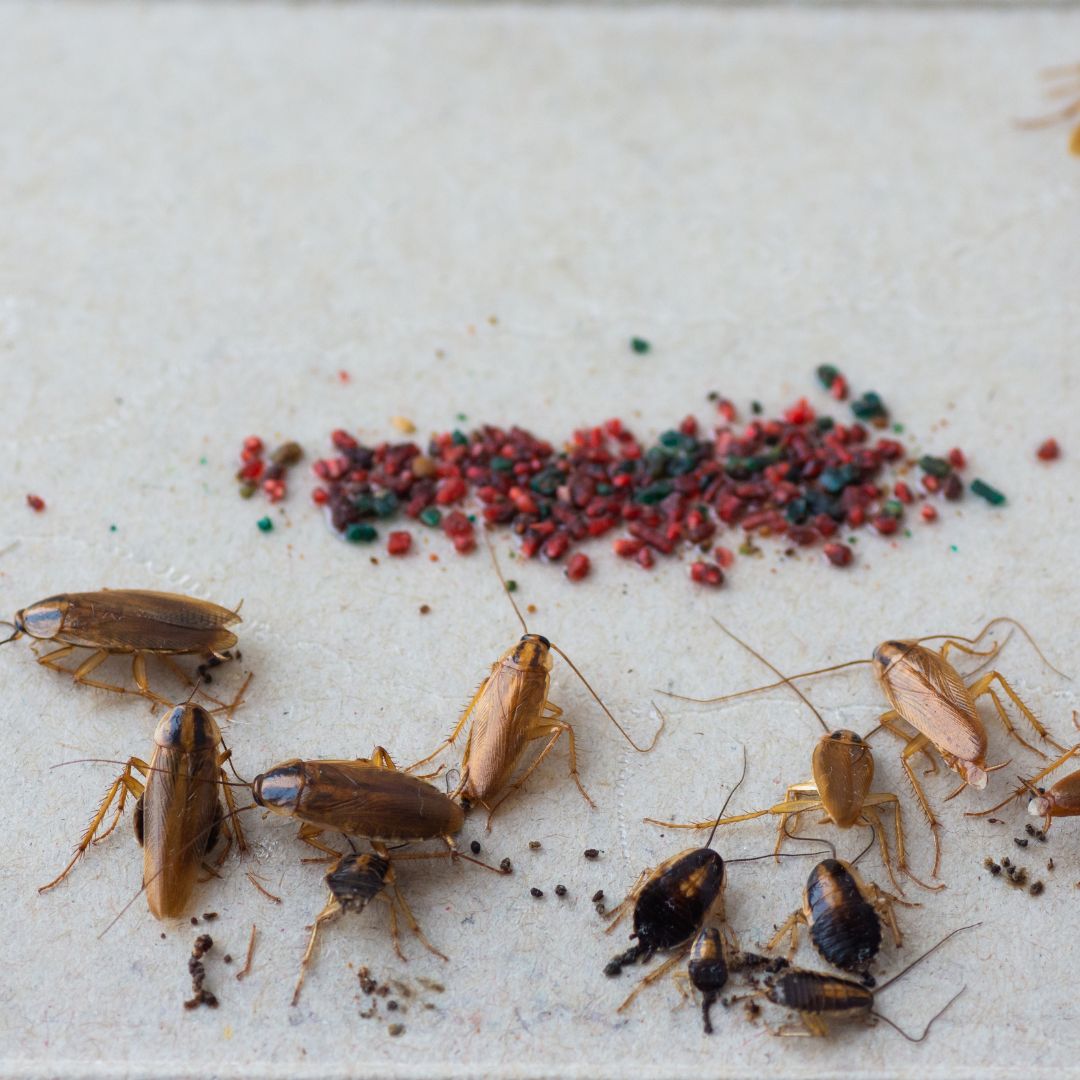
point(578, 566)
point(1048, 451)
point(398, 543)
point(36, 503)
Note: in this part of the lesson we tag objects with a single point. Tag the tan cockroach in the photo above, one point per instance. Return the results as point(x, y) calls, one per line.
point(817, 996)
point(128, 621)
point(512, 709)
point(842, 766)
point(178, 817)
point(926, 691)
point(369, 798)
point(1066, 81)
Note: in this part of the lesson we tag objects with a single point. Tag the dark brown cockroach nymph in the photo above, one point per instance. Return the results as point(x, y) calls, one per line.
point(929, 695)
point(133, 622)
point(844, 915)
point(511, 710)
point(818, 997)
point(843, 773)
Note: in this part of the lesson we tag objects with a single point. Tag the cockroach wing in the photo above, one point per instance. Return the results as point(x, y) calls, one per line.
point(180, 806)
point(130, 620)
point(511, 703)
point(843, 772)
point(928, 693)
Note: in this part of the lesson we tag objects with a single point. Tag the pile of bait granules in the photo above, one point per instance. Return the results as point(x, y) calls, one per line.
point(803, 479)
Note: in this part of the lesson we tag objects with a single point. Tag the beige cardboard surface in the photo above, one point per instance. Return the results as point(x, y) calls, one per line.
point(208, 212)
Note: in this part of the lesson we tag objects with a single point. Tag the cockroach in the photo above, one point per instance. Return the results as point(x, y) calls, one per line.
point(510, 710)
point(357, 878)
point(817, 996)
point(713, 960)
point(925, 691)
point(844, 916)
point(365, 797)
point(1067, 85)
point(178, 817)
point(127, 621)
point(842, 766)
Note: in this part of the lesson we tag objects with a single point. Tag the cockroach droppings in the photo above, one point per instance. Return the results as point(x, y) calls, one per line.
point(1037, 888)
point(395, 1029)
point(534, 845)
point(474, 847)
point(560, 890)
point(592, 853)
point(506, 866)
point(598, 896)
point(534, 891)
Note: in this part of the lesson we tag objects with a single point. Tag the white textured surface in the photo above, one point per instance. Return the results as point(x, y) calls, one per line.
point(209, 211)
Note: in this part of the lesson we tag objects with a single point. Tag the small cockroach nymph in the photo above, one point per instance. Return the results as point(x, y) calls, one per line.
point(353, 881)
point(928, 694)
point(842, 766)
point(818, 997)
point(178, 817)
point(511, 710)
point(133, 622)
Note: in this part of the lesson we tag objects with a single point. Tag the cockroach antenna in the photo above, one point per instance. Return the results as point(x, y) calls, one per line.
point(502, 581)
point(742, 777)
point(776, 671)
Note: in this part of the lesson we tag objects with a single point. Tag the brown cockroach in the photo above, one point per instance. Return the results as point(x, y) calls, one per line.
point(925, 691)
point(369, 798)
point(128, 621)
point(816, 996)
point(178, 817)
point(510, 710)
point(365, 797)
point(842, 766)
point(1067, 85)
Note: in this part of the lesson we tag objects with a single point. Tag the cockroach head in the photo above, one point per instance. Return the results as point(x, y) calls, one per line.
point(888, 652)
point(975, 774)
point(189, 727)
point(537, 638)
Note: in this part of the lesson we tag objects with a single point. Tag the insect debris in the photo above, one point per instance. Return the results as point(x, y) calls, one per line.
point(510, 710)
point(131, 622)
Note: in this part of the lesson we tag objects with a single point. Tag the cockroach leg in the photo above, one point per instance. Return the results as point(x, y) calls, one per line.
point(889, 721)
point(233, 829)
point(654, 976)
point(410, 919)
point(331, 911)
point(1027, 785)
point(617, 914)
point(124, 784)
point(310, 834)
point(983, 686)
point(553, 733)
point(952, 643)
point(452, 738)
point(914, 746)
point(791, 928)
